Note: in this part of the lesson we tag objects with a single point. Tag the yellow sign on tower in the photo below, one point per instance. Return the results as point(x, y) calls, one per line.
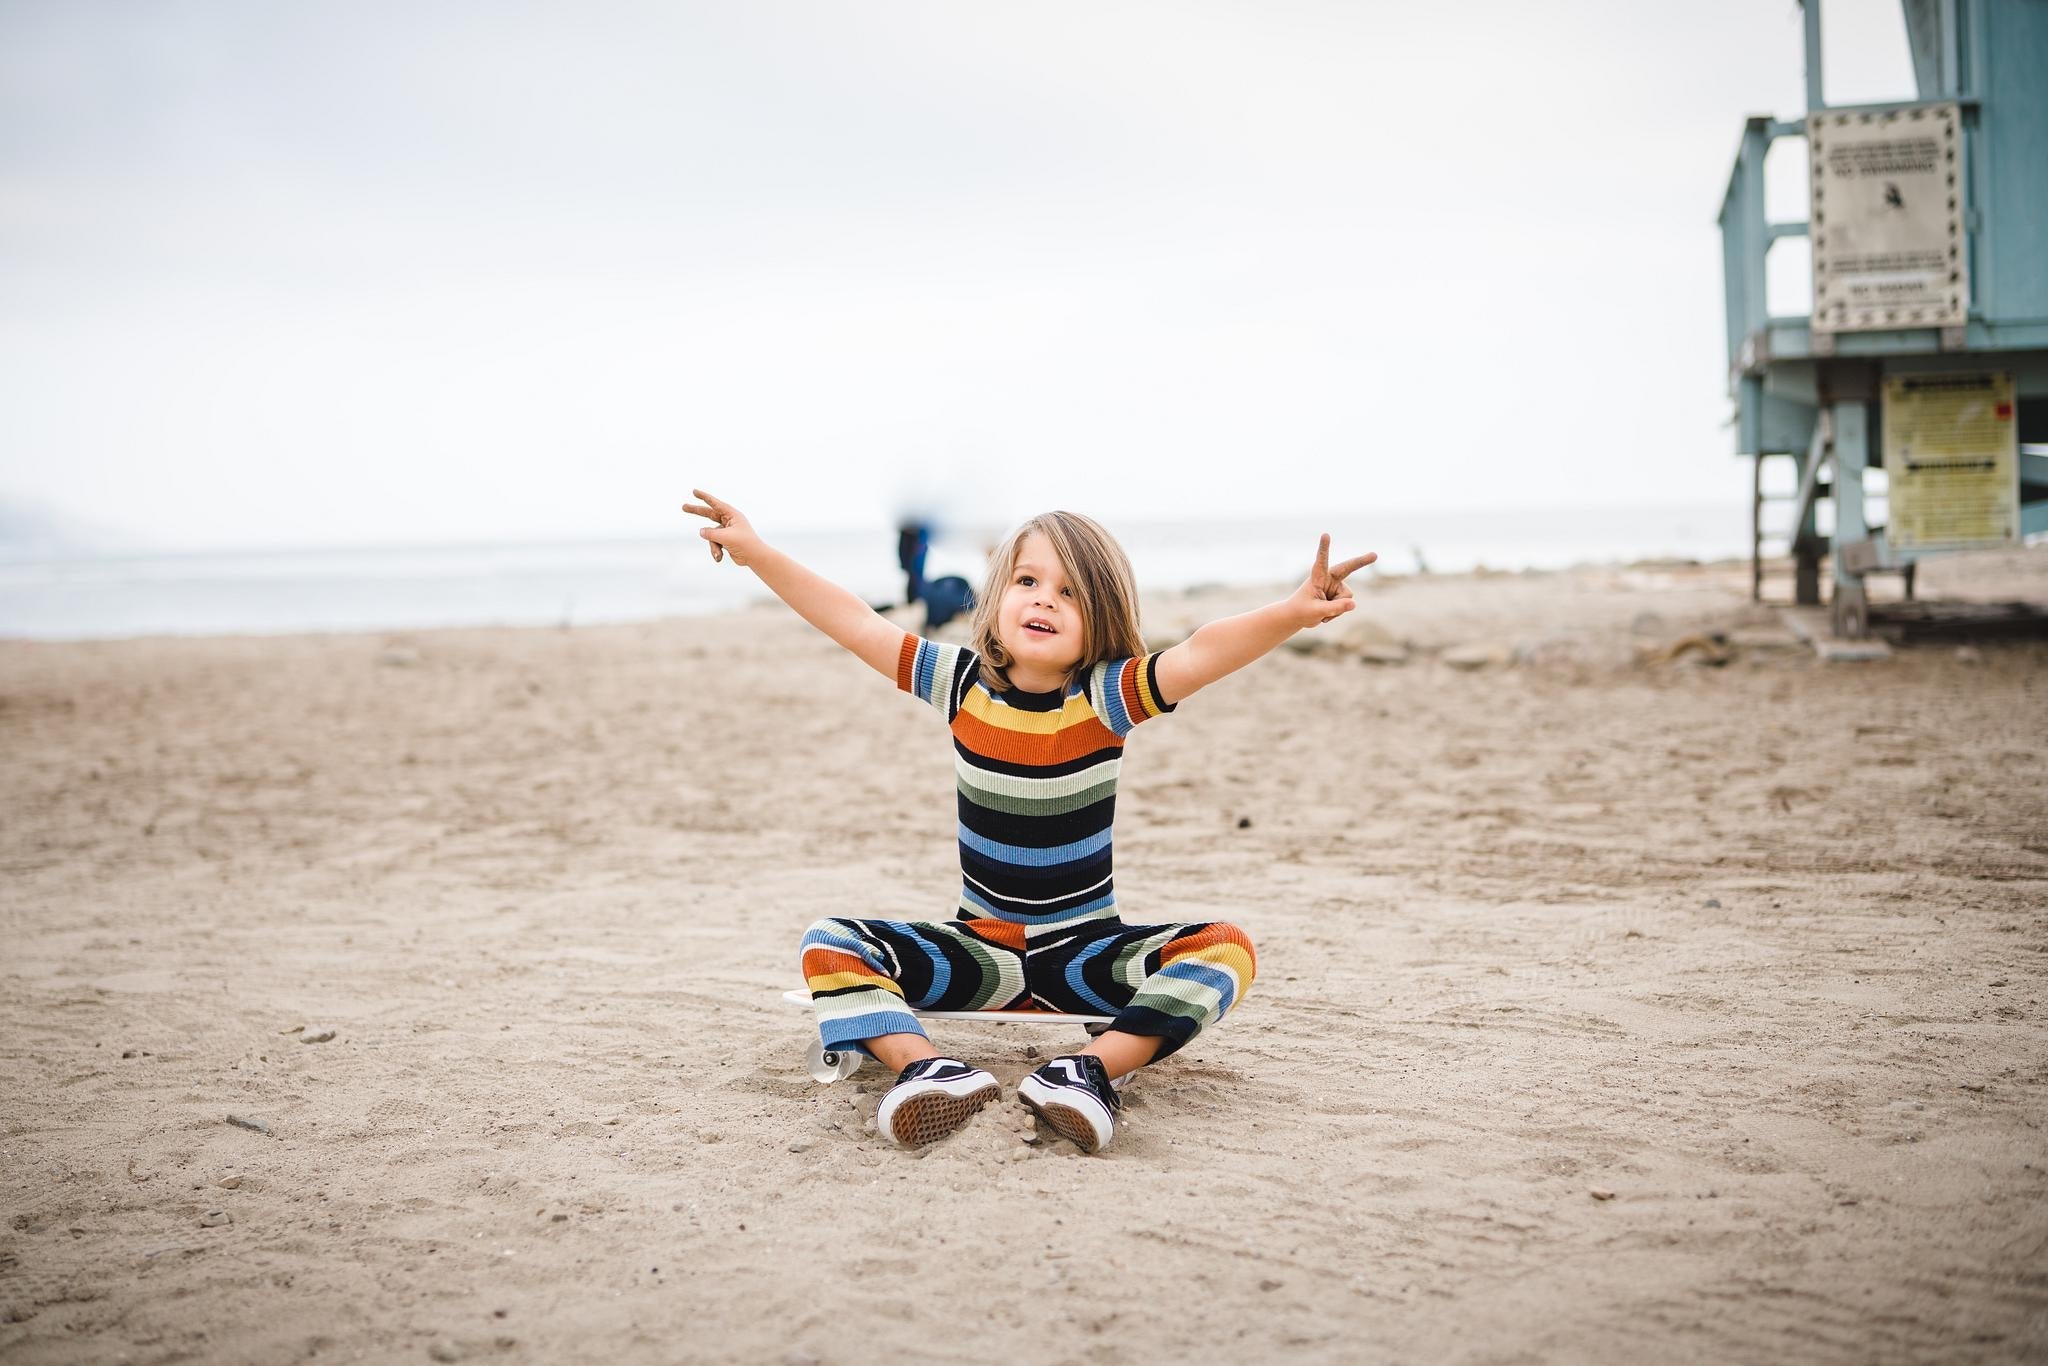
point(1951, 453)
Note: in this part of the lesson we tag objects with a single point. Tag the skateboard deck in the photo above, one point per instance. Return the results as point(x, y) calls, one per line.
point(836, 1064)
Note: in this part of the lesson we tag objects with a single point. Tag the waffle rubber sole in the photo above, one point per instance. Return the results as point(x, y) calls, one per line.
point(1068, 1122)
point(930, 1117)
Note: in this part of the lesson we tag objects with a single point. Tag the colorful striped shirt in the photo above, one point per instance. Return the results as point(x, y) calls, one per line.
point(1037, 780)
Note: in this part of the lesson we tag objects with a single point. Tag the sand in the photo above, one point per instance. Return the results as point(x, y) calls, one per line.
point(1608, 1010)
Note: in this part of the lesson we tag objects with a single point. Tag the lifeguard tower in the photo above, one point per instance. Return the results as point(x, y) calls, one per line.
point(1925, 349)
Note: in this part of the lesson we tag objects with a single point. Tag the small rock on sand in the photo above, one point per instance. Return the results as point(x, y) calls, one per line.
point(1477, 655)
point(1601, 1193)
point(444, 1351)
point(255, 1126)
point(215, 1218)
point(1349, 635)
point(230, 1183)
point(316, 1035)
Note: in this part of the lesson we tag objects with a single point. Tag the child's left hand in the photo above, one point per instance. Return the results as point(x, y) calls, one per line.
point(1323, 596)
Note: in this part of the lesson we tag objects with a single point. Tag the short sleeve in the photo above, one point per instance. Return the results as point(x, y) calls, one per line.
point(1124, 692)
point(936, 673)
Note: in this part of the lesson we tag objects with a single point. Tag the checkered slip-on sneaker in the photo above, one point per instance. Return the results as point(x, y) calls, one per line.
point(1074, 1095)
point(931, 1098)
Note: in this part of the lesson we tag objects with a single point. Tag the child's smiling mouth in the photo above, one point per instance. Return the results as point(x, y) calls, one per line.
point(1040, 625)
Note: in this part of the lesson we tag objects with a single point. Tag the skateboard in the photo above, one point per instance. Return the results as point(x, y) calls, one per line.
point(828, 1065)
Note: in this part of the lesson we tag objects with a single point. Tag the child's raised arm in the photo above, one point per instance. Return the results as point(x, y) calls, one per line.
point(1224, 647)
point(824, 604)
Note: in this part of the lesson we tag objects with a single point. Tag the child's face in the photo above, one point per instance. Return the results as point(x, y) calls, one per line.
point(1039, 621)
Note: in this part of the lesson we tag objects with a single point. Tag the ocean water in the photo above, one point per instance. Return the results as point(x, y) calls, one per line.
point(71, 597)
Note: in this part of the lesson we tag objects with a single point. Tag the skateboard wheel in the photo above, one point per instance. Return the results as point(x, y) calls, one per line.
point(833, 1064)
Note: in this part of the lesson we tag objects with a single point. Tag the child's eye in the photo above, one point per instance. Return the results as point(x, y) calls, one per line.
point(1026, 580)
point(1066, 592)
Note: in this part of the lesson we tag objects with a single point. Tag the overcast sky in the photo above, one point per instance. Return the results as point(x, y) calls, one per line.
point(276, 274)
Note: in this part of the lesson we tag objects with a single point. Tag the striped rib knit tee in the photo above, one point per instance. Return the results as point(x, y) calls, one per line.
point(1037, 779)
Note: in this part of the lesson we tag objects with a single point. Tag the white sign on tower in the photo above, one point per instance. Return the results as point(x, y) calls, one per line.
point(1887, 219)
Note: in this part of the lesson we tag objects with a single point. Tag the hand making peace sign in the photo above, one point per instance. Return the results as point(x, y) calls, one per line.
point(1323, 596)
point(734, 535)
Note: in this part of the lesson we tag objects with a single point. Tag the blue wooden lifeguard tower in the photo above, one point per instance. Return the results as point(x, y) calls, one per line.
point(1925, 351)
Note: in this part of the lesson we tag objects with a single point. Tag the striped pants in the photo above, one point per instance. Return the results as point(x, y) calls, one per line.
point(1163, 981)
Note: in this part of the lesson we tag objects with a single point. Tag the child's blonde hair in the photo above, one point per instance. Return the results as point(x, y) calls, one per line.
point(1104, 590)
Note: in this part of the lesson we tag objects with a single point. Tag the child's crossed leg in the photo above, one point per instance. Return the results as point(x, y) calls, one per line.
point(1162, 984)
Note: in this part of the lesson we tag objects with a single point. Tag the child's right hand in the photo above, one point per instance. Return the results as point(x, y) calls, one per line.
point(734, 535)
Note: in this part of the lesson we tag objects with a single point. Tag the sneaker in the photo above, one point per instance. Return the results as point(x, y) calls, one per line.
point(1074, 1095)
point(931, 1098)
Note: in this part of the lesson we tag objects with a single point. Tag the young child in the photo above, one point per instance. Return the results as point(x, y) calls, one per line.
point(1039, 703)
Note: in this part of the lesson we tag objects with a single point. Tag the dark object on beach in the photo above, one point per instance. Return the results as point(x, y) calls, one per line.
point(253, 1125)
point(945, 599)
point(913, 543)
point(1244, 822)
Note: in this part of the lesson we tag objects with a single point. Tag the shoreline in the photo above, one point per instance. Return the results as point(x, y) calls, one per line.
point(1972, 583)
point(428, 587)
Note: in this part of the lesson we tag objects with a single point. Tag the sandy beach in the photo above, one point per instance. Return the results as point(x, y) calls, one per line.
point(1629, 994)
